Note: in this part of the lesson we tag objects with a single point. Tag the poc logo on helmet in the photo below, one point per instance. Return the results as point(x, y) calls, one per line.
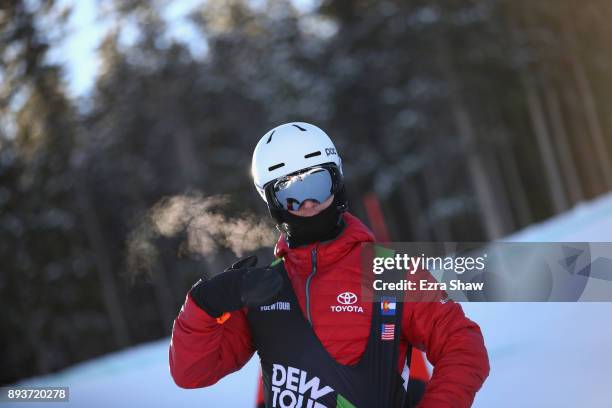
point(331, 151)
point(347, 302)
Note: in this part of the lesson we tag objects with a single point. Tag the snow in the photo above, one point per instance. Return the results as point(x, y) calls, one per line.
point(551, 354)
point(542, 354)
point(139, 376)
point(546, 354)
point(587, 222)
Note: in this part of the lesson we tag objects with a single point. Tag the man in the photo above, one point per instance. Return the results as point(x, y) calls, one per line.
point(319, 344)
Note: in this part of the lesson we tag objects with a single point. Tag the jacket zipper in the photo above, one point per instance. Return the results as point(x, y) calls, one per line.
point(313, 257)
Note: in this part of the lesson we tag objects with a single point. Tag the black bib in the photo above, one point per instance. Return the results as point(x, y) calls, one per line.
point(298, 372)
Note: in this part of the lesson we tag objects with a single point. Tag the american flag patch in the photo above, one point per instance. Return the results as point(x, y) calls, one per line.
point(387, 332)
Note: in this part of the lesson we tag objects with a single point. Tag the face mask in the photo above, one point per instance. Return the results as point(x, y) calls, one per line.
point(324, 226)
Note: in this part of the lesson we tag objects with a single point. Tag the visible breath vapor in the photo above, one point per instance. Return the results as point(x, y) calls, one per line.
point(205, 227)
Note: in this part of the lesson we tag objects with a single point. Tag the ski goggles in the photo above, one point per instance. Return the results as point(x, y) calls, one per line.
point(316, 184)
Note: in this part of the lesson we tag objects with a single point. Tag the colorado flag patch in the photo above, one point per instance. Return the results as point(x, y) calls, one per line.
point(387, 306)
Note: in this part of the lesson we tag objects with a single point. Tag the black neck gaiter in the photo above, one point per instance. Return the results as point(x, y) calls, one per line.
point(324, 226)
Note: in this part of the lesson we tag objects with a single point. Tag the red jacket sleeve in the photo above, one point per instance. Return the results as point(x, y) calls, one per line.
point(454, 345)
point(202, 351)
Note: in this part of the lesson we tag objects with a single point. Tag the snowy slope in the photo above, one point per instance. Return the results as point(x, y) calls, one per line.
point(551, 354)
point(140, 377)
point(542, 355)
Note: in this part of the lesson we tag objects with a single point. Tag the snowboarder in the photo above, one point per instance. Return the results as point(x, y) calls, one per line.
point(319, 343)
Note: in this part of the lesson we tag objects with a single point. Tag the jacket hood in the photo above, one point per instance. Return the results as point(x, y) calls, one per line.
point(354, 233)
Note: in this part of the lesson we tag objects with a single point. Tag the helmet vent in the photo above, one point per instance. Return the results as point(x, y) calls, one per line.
point(299, 127)
point(270, 137)
point(276, 166)
point(313, 154)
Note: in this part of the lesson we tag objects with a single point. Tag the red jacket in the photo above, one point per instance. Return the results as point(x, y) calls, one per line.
point(203, 351)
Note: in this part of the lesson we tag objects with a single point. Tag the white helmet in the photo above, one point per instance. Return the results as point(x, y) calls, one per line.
point(289, 148)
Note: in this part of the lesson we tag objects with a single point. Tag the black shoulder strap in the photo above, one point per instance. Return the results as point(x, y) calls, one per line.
point(387, 315)
point(407, 400)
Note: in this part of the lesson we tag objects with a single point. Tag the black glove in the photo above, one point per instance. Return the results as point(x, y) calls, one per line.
point(240, 285)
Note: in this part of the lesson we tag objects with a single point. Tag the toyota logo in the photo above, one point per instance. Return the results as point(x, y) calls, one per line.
point(347, 298)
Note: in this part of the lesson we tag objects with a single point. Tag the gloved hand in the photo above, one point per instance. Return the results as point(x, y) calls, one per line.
point(242, 284)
